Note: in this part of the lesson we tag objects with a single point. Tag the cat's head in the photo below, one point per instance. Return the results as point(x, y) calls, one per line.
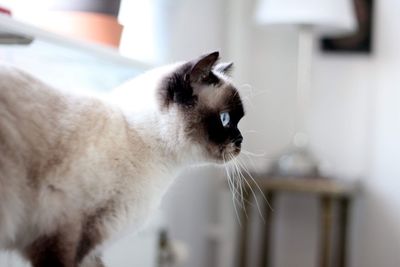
point(209, 106)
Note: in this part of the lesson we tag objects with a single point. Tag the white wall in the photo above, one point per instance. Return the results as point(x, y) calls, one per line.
point(378, 233)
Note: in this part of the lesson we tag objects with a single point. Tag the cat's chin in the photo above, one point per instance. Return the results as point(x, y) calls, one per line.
point(221, 157)
point(228, 154)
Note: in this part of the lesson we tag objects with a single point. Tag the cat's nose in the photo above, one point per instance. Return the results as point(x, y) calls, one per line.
point(238, 140)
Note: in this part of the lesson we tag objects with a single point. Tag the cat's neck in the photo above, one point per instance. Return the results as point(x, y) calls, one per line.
point(159, 131)
point(155, 134)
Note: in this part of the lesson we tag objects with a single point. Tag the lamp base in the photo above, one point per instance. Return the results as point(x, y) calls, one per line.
point(297, 161)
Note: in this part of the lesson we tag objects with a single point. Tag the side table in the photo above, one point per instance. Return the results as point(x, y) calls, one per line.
point(328, 191)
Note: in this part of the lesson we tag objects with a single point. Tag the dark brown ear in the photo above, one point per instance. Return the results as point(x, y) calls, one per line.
point(224, 67)
point(202, 67)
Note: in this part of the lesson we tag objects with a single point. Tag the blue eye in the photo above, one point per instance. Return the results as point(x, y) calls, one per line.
point(225, 118)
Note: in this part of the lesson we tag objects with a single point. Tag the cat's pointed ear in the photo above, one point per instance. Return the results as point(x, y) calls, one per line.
point(202, 67)
point(224, 67)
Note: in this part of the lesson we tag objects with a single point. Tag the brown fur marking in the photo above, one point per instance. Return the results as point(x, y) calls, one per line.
point(91, 235)
point(50, 251)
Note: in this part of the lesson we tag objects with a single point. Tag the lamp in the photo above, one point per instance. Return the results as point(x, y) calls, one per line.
point(328, 17)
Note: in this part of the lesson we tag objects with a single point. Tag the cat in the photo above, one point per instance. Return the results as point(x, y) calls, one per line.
point(76, 170)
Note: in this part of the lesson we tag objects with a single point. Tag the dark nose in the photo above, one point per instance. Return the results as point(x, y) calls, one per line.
point(238, 140)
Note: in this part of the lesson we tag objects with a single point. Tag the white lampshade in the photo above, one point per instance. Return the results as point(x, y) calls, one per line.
point(327, 16)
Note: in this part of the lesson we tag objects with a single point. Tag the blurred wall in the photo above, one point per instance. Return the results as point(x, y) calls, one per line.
point(377, 231)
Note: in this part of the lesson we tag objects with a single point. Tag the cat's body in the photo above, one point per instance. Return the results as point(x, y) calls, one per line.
point(75, 171)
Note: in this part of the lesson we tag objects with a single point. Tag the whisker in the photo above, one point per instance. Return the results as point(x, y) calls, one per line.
point(251, 131)
point(235, 186)
point(231, 186)
point(239, 181)
point(230, 180)
point(235, 177)
point(248, 158)
point(248, 184)
point(237, 173)
point(255, 182)
point(262, 92)
point(249, 88)
point(253, 154)
point(241, 189)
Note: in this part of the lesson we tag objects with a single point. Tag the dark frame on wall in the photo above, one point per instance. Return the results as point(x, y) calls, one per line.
point(361, 40)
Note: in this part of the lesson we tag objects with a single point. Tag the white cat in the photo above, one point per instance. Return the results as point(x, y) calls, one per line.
point(75, 171)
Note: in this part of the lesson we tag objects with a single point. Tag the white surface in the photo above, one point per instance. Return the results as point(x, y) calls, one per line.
point(326, 15)
point(9, 24)
point(11, 259)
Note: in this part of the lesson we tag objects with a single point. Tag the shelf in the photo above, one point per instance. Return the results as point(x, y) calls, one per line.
point(10, 25)
point(63, 61)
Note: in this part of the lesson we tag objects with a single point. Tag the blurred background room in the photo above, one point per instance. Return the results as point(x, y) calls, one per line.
point(320, 79)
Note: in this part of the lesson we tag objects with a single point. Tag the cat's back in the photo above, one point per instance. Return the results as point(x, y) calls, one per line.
point(17, 87)
point(37, 119)
point(28, 108)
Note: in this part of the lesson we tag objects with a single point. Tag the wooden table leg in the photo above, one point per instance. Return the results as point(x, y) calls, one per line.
point(326, 230)
point(267, 233)
point(245, 213)
point(342, 242)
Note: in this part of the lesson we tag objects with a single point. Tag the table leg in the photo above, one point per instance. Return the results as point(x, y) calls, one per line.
point(342, 242)
point(245, 213)
point(326, 230)
point(267, 233)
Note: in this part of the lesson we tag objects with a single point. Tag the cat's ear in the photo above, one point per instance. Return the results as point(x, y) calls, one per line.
point(202, 67)
point(224, 67)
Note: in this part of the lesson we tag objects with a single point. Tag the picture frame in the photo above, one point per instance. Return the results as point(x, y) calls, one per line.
point(359, 41)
